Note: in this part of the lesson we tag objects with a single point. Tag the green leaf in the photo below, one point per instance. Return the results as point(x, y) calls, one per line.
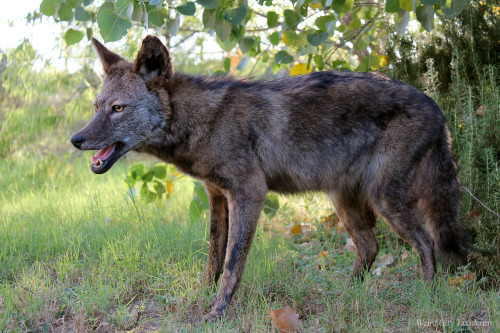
point(452, 8)
point(425, 15)
point(339, 64)
point(112, 27)
point(147, 195)
point(160, 171)
point(200, 195)
point(81, 15)
point(73, 36)
point(136, 171)
point(174, 25)
point(187, 9)
point(362, 43)
point(318, 60)
point(290, 38)
point(392, 6)
point(272, 19)
point(159, 188)
point(364, 65)
point(208, 18)
point(282, 57)
point(271, 205)
point(71, 3)
point(47, 7)
point(292, 18)
point(223, 29)
point(235, 15)
point(121, 7)
point(246, 44)
point(210, 4)
point(402, 19)
point(243, 63)
point(157, 16)
point(195, 210)
point(148, 176)
point(265, 57)
point(342, 6)
point(429, 2)
point(65, 12)
point(130, 181)
point(317, 38)
point(228, 44)
point(326, 23)
point(406, 5)
point(274, 38)
point(137, 12)
point(227, 64)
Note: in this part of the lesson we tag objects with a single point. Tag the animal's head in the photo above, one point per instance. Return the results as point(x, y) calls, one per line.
point(133, 107)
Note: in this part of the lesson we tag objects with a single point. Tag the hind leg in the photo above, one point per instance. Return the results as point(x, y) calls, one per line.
point(358, 220)
point(403, 219)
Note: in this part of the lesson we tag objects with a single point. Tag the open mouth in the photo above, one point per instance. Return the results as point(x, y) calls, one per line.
point(104, 159)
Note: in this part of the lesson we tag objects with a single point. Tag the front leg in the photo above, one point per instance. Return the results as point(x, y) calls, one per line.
point(218, 233)
point(245, 204)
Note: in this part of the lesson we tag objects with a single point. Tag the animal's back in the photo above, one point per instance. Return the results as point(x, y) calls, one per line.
point(331, 130)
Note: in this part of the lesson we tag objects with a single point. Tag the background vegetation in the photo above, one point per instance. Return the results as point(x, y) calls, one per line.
point(126, 251)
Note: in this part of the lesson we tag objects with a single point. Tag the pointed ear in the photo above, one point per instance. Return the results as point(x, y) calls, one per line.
point(153, 60)
point(108, 58)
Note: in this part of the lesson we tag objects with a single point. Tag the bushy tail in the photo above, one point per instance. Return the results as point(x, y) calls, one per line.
point(443, 203)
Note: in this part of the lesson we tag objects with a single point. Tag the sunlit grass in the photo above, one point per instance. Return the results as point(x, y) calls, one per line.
point(75, 254)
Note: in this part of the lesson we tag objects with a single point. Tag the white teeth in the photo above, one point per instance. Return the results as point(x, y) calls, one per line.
point(98, 163)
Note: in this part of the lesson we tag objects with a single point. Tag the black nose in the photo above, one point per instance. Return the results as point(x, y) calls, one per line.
point(77, 141)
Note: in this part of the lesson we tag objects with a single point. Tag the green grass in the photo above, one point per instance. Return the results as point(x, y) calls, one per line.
point(75, 255)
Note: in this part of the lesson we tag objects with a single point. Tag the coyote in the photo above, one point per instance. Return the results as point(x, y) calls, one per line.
point(375, 145)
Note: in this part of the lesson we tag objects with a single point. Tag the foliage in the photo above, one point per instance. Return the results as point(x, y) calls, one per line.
point(158, 182)
point(38, 100)
point(336, 33)
point(473, 35)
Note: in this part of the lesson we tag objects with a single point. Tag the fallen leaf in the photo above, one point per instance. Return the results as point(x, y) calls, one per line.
point(404, 255)
point(302, 228)
point(296, 229)
point(349, 246)
point(457, 280)
point(285, 319)
point(481, 110)
point(474, 213)
point(323, 254)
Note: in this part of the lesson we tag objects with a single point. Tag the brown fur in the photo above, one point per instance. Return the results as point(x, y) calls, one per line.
point(377, 146)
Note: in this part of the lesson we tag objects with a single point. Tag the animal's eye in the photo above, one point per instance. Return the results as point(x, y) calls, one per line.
point(96, 108)
point(117, 108)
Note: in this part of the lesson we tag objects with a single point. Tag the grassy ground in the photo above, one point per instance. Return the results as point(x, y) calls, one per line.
point(76, 256)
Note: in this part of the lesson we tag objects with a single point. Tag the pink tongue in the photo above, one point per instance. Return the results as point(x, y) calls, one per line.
point(104, 153)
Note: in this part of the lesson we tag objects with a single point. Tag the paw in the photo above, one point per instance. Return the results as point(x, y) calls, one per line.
point(217, 310)
point(213, 316)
